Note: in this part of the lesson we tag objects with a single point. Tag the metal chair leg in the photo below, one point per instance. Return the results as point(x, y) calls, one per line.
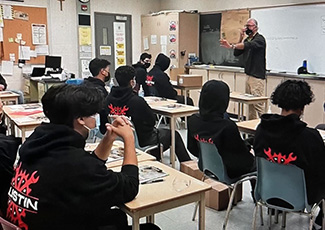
point(195, 211)
point(229, 206)
point(284, 219)
point(270, 218)
point(276, 216)
point(261, 215)
point(255, 213)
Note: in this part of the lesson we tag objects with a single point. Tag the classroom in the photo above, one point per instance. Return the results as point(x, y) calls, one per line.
point(200, 40)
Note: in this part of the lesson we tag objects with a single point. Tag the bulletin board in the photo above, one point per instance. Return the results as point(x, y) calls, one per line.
point(13, 26)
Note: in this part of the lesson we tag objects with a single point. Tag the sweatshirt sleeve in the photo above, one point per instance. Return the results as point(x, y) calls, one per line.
point(3, 82)
point(192, 144)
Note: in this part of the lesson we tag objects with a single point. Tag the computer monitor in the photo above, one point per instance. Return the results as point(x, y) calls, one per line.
point(53, 62)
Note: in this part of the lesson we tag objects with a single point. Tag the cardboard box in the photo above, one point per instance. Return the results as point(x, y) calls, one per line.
point(217, 198)
point(174, 72)
point(191, 168)
point(189, 80)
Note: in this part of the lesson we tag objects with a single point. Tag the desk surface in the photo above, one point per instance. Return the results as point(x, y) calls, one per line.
point(173, 109)
point(246, 97)
point(152, 194)
point(25, 114)
point(8, 94)
point(142, 156)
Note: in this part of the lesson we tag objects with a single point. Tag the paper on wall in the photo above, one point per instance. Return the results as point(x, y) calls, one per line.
point(42, 50)
point(163, 49)
point(39, 34)
point(1, 34)
point(7, 68)
point(163, 40)
point(24, 52)
point(7, 11)
point(153, 39)
point(145, 43)
point(105, 50)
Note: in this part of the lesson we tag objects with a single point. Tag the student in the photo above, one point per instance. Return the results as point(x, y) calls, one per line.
point(141, 70)
point(122, 101)
point(159, 82)
point(99, 68)
point(209, 125)
point(285, 139)
point(3, 87)
point(8, 152)
point(61, 185)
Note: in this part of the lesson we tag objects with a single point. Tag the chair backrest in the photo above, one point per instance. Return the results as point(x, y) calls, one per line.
point(281, 185)
point(6, 225)
point(210, 161)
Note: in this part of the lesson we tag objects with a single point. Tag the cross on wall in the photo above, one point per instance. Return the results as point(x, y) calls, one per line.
point(61, 4)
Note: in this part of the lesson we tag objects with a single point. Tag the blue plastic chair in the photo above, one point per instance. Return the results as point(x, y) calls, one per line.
point(285, 184)
point(6, 225)
point(211, 164)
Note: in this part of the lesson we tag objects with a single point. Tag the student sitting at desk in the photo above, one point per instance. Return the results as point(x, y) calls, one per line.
point(122, 101)
point(285, 139)
point(99, 68)
point(62, 186)
point(209, 125)
point(158, 81)
point(3, 87)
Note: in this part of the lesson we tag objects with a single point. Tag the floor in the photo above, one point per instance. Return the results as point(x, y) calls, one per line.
point(241, 216)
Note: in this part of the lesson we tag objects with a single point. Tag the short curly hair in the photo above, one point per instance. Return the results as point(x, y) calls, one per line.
point(292, 95)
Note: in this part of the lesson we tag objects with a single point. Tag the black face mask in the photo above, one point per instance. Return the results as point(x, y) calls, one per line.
point(248, 31)
point(147, 65)
point(107, 77)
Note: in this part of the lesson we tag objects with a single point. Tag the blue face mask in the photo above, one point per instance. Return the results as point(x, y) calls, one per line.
point(92, 132)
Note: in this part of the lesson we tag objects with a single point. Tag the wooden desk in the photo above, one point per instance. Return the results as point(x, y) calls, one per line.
point(157, 197)
point(142, 156)
point(164, 108)
point(249, 126)
point(242, 98)
point(8, 96)
point(25, 117)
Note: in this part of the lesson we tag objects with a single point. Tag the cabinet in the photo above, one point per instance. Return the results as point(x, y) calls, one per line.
point(174, 33)
point(271, 83)
point(195, 93)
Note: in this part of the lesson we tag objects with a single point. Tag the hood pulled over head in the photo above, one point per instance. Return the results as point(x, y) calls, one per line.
point(162, 61)
point(214, 99)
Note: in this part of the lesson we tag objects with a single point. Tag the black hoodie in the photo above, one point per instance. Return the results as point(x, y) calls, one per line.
point(160, 80)
point(122, 101)
point(141, 74)
point(62, 186)
point(293, 143)
point(210, 126)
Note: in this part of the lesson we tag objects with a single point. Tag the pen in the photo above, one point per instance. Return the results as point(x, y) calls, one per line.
point(152, 181)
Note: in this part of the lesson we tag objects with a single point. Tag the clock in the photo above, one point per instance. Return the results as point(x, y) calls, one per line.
point(84, 1)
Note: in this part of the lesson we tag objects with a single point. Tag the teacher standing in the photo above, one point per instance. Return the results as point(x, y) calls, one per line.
point(253, 49)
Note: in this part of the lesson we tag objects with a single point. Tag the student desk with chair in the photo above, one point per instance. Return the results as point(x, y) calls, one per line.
point(8, 96)
point(172, 110)
point(178, 189)
point(25, 117)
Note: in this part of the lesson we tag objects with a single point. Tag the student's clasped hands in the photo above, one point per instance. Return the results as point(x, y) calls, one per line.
point(121, 126)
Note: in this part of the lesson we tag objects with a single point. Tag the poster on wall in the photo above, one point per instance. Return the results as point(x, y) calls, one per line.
point(119, 43)
point(39, 34)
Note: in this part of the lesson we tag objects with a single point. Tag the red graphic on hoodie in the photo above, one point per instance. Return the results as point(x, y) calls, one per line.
point(118, 110)
point(202, 139)
point(20, 201)
point(279, 158)
point(150, 81)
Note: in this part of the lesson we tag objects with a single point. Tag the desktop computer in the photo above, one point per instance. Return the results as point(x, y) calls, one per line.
point(54, 63)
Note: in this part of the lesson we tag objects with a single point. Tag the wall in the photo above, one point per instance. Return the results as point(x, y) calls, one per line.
point(218, 5)
point(62, 28)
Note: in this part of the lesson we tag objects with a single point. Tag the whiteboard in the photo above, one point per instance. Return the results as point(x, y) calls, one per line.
point(293, 34)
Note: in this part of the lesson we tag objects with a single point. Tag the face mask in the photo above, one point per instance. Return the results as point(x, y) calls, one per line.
point(107, 77)
point(147, 65)
point(92, 132)
point(248, 31)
